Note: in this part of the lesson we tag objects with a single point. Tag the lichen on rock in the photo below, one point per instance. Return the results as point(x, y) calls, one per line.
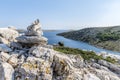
point(29, 57)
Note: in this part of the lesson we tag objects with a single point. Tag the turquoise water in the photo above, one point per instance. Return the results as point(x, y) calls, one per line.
point(54, 39)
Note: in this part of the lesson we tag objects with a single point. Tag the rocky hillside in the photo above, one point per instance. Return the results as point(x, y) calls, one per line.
point(28, 57)
point(104, 37)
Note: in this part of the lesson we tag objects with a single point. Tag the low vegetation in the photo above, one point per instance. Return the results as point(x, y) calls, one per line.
point(106, 36)
point(103, 37)
point(87, 55)
point(60, 43)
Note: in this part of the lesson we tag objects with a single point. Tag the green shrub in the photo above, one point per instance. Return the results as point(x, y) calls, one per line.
point(60, 43)
point(109, 59)
point(108, 36)
point(87, 55)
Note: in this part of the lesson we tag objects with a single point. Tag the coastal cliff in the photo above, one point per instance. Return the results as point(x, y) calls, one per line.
point(28, 57)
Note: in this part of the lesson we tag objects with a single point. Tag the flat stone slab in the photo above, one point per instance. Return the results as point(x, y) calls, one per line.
point(5, 48)
point(31, 39)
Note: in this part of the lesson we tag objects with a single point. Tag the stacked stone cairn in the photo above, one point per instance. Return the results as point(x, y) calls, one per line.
point(33, 35)
point(28, 57)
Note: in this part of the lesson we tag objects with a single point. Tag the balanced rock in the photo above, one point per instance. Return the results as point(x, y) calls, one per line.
point(34, 29)
point(33, 35)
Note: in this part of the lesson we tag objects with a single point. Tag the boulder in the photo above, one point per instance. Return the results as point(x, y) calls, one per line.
point(4, 56)
point(20, 74)
point(105, 75)
point(5, 48)
point(77, 60)
point(15, 45)
point(21, 59)
point(41, 52)
point(112, 67)
point(75, 75)
point(3, 40)
point(33, 59)
point(2, 73)
point(13, 60)
point(90, 76)
point(32, 39)
point(98, 66)
point(60, 67)
point(34, 69)
point(33, 36)
point(8, 34)
point(34, 29)
point(8, 72)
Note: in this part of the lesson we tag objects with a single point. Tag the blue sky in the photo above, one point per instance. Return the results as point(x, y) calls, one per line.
point(60, 14)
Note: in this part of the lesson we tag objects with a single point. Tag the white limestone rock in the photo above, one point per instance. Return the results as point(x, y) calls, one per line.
point(5, 48)
point(105, 75)
point(21, 59)
point(40, 62)
point(15, 45)
point(2, 73)
point(13, 60)
point(90, 76)
point(32, 39)
point(3, 40)
point(8, 71)
point(41, 52)
point(110, 66)
point(35, 69)
point(34, 29)
point(8, 34)
point(4, 56)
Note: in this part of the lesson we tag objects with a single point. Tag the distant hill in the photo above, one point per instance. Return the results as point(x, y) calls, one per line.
point(104, 37)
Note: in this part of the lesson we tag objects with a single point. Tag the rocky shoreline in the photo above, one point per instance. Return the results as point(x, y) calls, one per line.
point(101, 37)
point(29, 57)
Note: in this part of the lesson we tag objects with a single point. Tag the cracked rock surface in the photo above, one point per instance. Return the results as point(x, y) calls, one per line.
point(28, 57)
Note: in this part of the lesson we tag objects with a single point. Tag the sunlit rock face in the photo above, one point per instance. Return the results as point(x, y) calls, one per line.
point(6, 71)
point(8, 35)
point(33, 35)
point(34, 29)
point(30, 58)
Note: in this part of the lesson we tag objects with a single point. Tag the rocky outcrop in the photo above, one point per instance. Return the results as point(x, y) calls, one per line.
point(6, 71)
point(8, 35)
point(34, 29)
point(32, 39)
point(3, 40)
point(5, 48)
point(33, 35)
point(30, 58)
